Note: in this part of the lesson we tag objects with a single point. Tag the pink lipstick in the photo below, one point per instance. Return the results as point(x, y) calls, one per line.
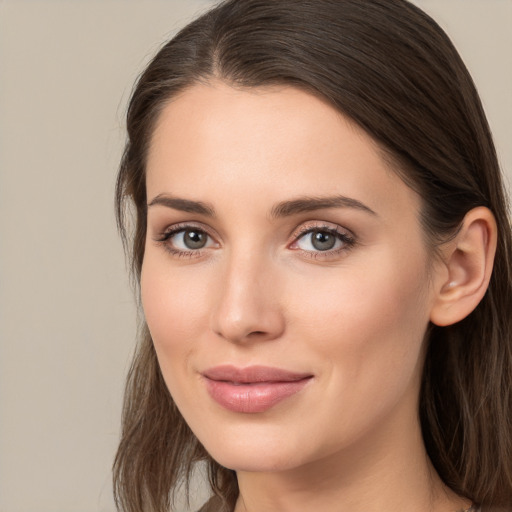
point(252, 389)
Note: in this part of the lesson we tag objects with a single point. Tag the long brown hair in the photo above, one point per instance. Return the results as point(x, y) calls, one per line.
point(391, 69)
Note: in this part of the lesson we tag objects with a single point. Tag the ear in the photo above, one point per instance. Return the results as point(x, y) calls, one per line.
point(463, 277)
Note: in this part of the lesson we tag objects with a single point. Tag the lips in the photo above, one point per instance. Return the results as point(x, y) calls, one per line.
point(253, 389)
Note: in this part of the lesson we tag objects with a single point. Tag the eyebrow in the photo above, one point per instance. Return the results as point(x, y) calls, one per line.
point(282, 209)
point(184, 205)
point(307, 204)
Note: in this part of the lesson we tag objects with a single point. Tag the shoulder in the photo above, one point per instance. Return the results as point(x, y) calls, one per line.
point(214, 504)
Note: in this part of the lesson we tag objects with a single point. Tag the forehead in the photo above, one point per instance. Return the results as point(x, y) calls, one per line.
point(265, 120)
point(274, 141)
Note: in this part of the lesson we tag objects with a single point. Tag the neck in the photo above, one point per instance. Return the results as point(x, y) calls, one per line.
point(384, 471)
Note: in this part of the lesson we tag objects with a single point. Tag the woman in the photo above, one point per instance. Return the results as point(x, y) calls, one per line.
point(323, 252)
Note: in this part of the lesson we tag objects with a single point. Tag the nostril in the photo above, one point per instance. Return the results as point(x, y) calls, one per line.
point(257, 333)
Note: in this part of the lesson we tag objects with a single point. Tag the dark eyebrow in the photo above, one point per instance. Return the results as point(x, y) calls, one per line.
point(184, 205)
point(282, 209)
point(307, 204)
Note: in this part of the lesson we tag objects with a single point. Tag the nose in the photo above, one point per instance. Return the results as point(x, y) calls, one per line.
point(247, 307)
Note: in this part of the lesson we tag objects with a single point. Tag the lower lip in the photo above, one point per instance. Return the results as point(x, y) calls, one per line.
point(252, 398)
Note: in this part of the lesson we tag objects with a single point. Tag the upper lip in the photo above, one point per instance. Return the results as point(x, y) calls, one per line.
point(253, 374)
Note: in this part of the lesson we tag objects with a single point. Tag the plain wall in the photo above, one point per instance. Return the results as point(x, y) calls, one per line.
point(67, 316)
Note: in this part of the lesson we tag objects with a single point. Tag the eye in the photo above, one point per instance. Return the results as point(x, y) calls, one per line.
point(190, 239)
point(186, 240)
point(318, 240)
point(323, 239)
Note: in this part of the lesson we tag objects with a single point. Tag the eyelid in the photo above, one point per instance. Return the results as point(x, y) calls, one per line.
point(172, 229)
point(165, 236)
point(310, 226)
point(345, 235)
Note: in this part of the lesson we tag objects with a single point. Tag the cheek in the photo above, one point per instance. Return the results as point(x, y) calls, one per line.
point(375, 296)
point(368, 324)
point(174, 309)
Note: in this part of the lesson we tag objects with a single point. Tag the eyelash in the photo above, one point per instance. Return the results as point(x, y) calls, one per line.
point(166, 236)
point(343, 235)
point(346, 237)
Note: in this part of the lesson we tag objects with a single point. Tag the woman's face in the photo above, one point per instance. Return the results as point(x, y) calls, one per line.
point(285, 280)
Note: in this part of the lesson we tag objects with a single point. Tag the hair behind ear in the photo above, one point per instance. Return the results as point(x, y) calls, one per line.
point(466, 397)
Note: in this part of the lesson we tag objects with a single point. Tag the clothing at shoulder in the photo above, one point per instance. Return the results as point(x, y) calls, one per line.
point(214, 504)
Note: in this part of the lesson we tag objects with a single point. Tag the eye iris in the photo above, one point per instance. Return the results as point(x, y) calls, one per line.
point(194, 239)
point(322, 240)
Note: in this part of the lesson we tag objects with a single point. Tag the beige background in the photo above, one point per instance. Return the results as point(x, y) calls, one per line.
point(67, 319)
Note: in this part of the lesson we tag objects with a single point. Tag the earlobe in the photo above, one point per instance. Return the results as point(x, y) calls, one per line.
point(468, 262)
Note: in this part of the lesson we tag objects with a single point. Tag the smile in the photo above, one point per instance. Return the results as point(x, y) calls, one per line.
point(253, 389)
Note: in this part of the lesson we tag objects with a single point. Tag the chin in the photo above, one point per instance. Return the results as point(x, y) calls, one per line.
point(254, 460)
point(261, 448)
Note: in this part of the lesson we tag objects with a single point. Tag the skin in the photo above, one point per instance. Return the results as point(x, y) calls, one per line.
point(259, 292)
